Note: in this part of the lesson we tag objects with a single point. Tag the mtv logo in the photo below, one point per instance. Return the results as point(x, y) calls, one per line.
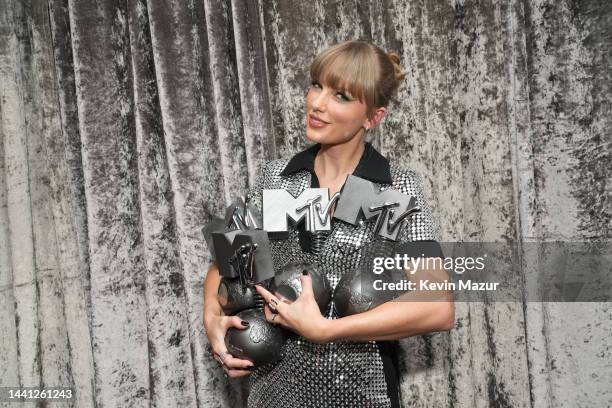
point(360, 199)
point(243, 254)
point(312, 206)
point(242, 214)
point(239, 215)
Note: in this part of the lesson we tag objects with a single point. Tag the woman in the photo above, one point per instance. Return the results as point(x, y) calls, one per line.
point(348, 361)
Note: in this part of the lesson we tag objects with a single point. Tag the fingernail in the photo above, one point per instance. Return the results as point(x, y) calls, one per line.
point(245, 323)
point(304, 272)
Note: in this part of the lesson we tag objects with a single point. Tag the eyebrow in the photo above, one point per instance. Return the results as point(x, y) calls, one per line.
point(337, 88)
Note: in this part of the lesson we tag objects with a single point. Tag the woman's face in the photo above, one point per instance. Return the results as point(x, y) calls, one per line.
point(333, 116)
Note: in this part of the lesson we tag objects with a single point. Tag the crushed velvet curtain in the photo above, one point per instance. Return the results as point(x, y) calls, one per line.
point(124, 124)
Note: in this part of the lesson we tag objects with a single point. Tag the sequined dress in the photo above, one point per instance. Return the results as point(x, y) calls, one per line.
point(339, 374)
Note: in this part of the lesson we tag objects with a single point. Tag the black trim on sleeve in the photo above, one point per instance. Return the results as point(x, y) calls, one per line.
point(388, 355)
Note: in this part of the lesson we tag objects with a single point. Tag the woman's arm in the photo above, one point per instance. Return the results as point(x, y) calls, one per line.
point(416, 312)
point(394, 320)
point(217, 323)
point(211, 287)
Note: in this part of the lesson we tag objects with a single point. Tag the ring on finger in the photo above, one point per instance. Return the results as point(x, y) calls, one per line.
point(222, 356)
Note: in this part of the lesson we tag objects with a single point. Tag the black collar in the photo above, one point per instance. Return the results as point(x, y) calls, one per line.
point(372, 165)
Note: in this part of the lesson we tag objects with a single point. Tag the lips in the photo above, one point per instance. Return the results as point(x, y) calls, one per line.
point(316, 122)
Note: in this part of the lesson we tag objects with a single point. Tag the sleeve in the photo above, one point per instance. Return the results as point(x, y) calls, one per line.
point(419, 233)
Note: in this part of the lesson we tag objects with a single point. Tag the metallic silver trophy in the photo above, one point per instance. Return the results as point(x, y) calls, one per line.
point(362, 200)
point(261, 341)
point(312, 207)
point(242, 252)
point(355, 292)
point(288, 285)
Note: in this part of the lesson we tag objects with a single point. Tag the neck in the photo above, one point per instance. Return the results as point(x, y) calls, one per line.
point(339, 160)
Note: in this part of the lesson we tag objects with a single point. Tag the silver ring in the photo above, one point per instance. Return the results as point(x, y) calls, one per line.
point(222, 357)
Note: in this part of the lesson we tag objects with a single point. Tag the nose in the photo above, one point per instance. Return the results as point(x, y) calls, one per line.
point(319, 100)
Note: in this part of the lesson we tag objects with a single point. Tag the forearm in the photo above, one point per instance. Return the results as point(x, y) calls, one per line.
point(413, 313)
point(211, 288)
point(394, 320)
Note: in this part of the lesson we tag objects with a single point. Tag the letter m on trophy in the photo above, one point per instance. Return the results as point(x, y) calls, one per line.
point(312, 207)
point(360, 199)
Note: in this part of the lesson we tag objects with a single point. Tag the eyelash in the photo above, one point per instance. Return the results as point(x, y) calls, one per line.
point(342, 96)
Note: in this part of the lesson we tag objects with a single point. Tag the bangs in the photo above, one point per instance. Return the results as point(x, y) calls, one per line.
point(351, 70)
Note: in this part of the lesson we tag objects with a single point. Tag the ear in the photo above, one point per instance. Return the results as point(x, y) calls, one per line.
point(372, 122)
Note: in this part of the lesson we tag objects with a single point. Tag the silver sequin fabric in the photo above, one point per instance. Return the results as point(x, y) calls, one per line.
point(339, 374)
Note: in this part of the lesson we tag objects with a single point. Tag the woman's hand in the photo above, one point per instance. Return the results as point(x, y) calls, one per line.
point(302, 316)
point(216, 326)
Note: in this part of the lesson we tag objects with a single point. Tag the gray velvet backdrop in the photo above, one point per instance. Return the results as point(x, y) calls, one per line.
point(126, 123)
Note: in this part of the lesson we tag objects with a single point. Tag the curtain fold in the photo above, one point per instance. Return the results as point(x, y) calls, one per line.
point(126, 124)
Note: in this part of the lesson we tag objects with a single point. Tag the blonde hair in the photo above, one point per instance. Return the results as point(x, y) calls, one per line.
point(362, 69)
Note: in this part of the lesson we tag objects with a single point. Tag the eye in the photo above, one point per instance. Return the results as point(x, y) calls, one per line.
point(343, 97)
point(315, 84)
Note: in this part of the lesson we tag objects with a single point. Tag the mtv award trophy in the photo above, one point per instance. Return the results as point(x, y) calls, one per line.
point(242, 253)
point(310, 210)
point(362, 200)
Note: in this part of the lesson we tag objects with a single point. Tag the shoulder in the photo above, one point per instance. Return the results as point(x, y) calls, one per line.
point(406, 180)
point(273, 168)
point(268, 177)
point(271, 175)
point(421, 226)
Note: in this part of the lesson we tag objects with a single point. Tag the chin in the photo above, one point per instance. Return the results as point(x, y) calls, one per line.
point(324, 137)
point(316, 137)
